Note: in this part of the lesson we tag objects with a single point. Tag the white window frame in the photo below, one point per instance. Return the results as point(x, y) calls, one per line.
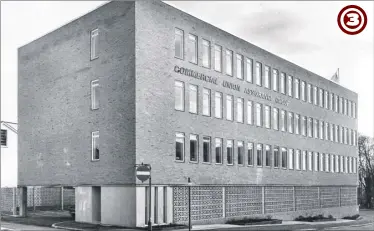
point(239, 66)
point(207, 93)
point(275, 81)
point(95, 138)
point(218, 109)
point(249, 70)
point(194, 89)
point(95, 86)
point(193, 49)
point(229, 108)
point(258, 73)
point(229, 62)
point(94, 44)
point(180, 135)
point(250, 112)
point(240, 110)
point(267, 77)
point(205, 59)
point(181, 55)
point(177, 85)
point(217, 58)
point(267, 116)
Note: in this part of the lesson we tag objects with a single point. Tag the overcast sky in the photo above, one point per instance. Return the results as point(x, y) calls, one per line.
point(305, 33)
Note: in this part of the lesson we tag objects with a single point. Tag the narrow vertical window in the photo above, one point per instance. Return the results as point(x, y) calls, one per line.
point(297, 88)
point(326, 99)
point(179, 95)
point(304, 162)
point(342, 170)
point(192, 48)
point(303, 91)
point(95, 94)
point(327, 162)
point(275, 118)
point(345, 107)
point(341, 105)
point(95, 146)
point(229, 151)
point(349, 108)
point(218, 151)
point(206, 149)
point(332, 163)
point(336, 133)
point(275, 80)
point(290, 122)
point(249, 65)
point(94, 44)
point(297, 159)
point(178, 42)
point(354, 110)
point(229, 107)
point(258, 73)
point(331, 107)
point(239, 66)
point(322, 162)
point(259, 155)
point(290, 86)
point(267, 77)
point(206, 54)
point(310, 127)
point(193, 99)
point(337, 163)
point(284, 157)
point(259, 114)
point(179, 146)
point(194, 148)
point(267, 116)
point(250, 153)
point(332, 129)
point(283, 83)
point(316, 123)
point(290, 158)
point(218, 104)
point(249, 112)
point(321, 97)
point(229, 60)
point(283, 120)
point(240, 110)
point(267, 155)
point(276, 157)
point(240, 153)
point(327, 131)
point(303, 125)
point(321, 129)
point(309, 93)
point(206, 102)
point(297, 124)
point(310, 161)
point(341, 136)
point(315, 95)
point(4, 137)
point(336, 103)
point(218, 58)
point(316, 162)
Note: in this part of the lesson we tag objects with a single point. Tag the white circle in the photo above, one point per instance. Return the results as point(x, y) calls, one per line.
point(350, 29)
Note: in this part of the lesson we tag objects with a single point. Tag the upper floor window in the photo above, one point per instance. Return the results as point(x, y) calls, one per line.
point(327, 131)
point(218, 104)
point(229, 151)
point(267, 116)
point(315, 95)
point(316, 161)
point(179, 95)
point(310, 127)
point(179, 146)
point(321, 129)
point(229, 107)
point(284, 157)
point(206, 102)
point(229, 62)
point(345, 107)
point(326, 99)
point(321, 97)
point(290, 122)
point(249, 112)
point(310, 161)
point(341, 105)
point(218, 58)
point(193, 98)
point(267, 77)
point(239, 66)
point(206, 54)
point(332, 130)
point(309, 93)
point(283, 83)
point(275, 80)
point(95, 94)
point(206, 149)
point(336, 103)
point(94, 44)
point(297, 124)
point(337, 163)
point(297, 88)
point(283, 120)
point(267, 155)
point(290, 158)
point(349, 108)
point(275, 119)
point(315, 129)
point(259, 154)
point(250, 153)
point(249, 65)
point(303, 91)
point(354, 110)
point(95, 146)
point(192, 48)
point(336, 133)
point(258, 73)
point(218, 151)
point(332, 163)
point(258, 114)
point(178, 40)
point(303, 126)
point(304, 160)
point(240, 152)
point(290, 86)
point(4, 137)
point(331, 107)
point(240, 110)
point(276, 157)
point(194, 148)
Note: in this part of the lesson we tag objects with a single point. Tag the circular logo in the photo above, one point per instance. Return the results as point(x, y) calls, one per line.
point(352, 19)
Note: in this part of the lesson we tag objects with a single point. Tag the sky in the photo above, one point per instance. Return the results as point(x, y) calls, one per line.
point(305, 33)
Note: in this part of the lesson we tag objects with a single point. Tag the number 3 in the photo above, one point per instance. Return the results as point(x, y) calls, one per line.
point(353, 19)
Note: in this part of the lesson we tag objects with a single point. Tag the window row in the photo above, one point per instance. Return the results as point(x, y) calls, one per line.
point(260, 115)
point(258, 154)
point(246, 68)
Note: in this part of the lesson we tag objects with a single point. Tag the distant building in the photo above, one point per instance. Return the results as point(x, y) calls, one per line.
point(134, 82)
point(9, 148)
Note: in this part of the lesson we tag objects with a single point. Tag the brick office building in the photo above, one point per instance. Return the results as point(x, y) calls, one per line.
point(145, 82)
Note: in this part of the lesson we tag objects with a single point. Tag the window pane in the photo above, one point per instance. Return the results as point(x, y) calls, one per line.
point(193, 99)
point(218, 150)
point(290, 122)
point(179, 95)
point(259, 154)
point(267, 116)
point(283, 120)
point(303, 125)
point(290, 86)
point(297, 89)
point(276, 157)
point(267, 77)
point(192, 48)
point(283, 83)
point(194, 148)
point(275, 80)
point(206, 149)
point(310, 161)
point(327, 131)
point(250, 153)
point(267, 155)
point(315, 129)
point(229, 107)
point(303, 92)
point(178, 39)
point(316, 161)
point(249, 65)
point(331, 107)
point(239, 66)
point(336, 103)
point(332, 163)
point(297, 124)
point(290, 158)
point(258, 74)
point(4, 137)
point(332, 129)
point(217, 58)
point(304, 160)
point(327, 162)
point(229, 62)
point(94, 43)
point(309, 93)
point(320, 97)
point(240, 152)
point(249, 112)
point(258, 114)
point(95, 94)
point(326, 99)
point(284, 158)
point(218, 104)
point(206, 53)
point(310, 127)
point(206, 102)
point(95, 146)
point(315, 96)
point(229, 151)
point(179, 146)
point(321, 130)
point(275, 119)
point(240, 110)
